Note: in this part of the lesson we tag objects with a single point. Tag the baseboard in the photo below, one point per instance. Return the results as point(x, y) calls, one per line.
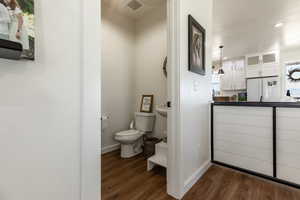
point(110, 148)
point(188, 184)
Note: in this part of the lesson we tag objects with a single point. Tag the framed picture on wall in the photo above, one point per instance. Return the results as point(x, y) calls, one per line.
point(197, 37)
point(17, 24)
point(147, 103)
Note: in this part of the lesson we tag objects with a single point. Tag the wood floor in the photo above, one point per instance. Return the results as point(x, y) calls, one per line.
point(127, 179)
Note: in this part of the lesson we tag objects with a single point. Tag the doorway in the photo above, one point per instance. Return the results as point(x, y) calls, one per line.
point(134, 50)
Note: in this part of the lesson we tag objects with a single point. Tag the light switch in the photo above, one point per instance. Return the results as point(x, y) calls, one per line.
point(196, 85)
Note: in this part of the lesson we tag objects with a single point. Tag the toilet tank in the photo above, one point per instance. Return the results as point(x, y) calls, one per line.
point(144, 121)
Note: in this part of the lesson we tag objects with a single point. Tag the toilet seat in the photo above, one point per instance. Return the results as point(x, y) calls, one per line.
point(128, 133)
point(128, 136)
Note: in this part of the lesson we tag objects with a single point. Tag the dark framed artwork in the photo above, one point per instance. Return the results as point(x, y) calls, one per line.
point(147, 103)
point(197, 38)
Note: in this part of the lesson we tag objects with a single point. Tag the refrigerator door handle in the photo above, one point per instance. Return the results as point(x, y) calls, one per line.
point(261, 90)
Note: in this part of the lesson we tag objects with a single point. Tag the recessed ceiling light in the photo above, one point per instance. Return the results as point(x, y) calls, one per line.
point(278, 25)
point(225, 58)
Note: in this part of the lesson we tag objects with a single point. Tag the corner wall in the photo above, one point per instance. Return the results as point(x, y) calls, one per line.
point(195, 97)
point(118, 60)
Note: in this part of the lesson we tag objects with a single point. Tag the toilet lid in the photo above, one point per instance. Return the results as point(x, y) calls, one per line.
point(128, 133)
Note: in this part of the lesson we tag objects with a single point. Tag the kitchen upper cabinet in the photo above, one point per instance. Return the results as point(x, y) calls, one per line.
point(262, 65)
point(253, 66)
point(235, 75)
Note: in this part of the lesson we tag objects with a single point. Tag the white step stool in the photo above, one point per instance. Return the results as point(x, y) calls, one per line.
point(160, 158)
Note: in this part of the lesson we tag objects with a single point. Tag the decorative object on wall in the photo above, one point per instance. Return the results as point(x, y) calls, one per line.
point(147, 103)
point(18, 24)
point(221, 71)
point(292, 79)
point(197, 37)
point(165, 67)
point(294, 75)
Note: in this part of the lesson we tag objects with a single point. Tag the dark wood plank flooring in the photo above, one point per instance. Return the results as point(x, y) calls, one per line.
point(128, 179)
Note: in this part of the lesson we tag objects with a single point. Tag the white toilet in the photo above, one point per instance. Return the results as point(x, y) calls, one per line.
point(132, 140)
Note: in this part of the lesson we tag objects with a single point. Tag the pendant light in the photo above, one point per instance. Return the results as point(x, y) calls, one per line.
point(221, 71)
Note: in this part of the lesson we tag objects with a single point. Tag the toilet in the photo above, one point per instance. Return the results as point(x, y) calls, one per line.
point(132, 140)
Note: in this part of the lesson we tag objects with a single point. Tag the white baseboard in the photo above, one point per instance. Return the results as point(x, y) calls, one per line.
point(188, 184)
point(110, 148)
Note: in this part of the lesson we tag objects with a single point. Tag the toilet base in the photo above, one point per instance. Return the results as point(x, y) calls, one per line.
point(130, 150)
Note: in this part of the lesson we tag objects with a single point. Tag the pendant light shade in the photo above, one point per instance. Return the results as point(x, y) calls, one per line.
point(221, 71)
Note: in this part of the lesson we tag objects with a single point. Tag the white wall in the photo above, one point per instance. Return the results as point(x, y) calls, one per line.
point(151, 50)
point(291, 55)
point(118, 54)
point(40, 110)
point(195, 94)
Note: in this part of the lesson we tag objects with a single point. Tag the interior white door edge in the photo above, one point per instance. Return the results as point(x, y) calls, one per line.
point(90, 174)
point(174, 175)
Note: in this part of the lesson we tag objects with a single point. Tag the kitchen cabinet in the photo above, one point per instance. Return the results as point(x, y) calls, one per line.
point(235, 75)
point(262, 65)
point(261, 139)
point(243, 137)
point(288, 141)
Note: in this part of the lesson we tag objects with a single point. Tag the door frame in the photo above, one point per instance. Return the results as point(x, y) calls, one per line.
point(174, 172)
point(90, 77)
point(90, 174)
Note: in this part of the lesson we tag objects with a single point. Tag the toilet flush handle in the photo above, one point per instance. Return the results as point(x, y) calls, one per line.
point(131, 125)
point(104, 117)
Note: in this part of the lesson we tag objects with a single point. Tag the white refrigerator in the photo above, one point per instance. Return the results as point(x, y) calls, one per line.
point(264, 89)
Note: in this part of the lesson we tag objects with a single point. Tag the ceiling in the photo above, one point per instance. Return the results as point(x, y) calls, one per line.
point(121, 7)
point(247, 26)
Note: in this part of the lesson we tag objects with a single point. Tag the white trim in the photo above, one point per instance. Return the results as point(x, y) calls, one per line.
point(174, 172)
point(90, 169)
point(110, 148)
point(188, 184)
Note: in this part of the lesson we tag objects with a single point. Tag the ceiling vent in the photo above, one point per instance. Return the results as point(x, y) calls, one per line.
point(134, 5)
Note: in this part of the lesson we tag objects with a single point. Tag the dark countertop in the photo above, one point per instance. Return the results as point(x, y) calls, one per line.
point(259, 104)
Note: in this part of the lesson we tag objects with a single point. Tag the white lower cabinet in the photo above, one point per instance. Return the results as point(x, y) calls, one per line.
point(243, 138)
point(288, 144)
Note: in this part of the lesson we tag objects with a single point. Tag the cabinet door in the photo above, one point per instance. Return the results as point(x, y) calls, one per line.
point(270, 70)
point(239, 76)
point(253, 68)
point(270, 64)
point(288, 142)
point(270, 58)
point(243, 137)
point(226, 79)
